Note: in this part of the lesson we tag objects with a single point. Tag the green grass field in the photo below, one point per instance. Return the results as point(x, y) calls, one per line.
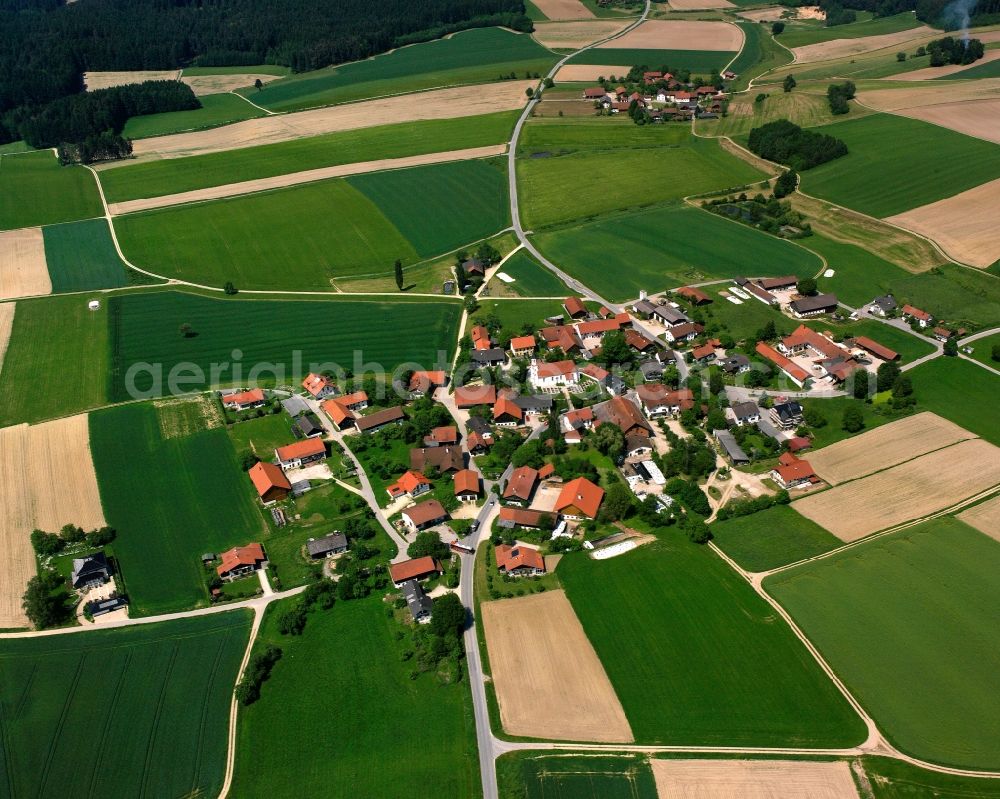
point(697, 658)
point(142, 711)
point(295, 336)
point(295, 238)
point(531, 279)
point(532, 775)
point(909, 622)
point(983, 350)
point(54, 336)
point(514, 314)
point(962, 392)
point(700, 62)
point(216, 110)
point(441, 207)
point(667, 173)
point(36, 190)
point(253, 69)
point(959, 295)
point(859, 274)
point(474, 56)
point(772, 538)
point(990, 69)
point(799, 34)
point(171, 499)
point(382, 729)
point(81, 257)
point(673, 245)
point(918, 168)
point(760, 53)
point(284, 239)
point(174, 175)
point(894, 779)
point(804, 108)
point(832, 409)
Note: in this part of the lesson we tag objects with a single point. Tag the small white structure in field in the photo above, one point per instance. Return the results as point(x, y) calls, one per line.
point(94, 305)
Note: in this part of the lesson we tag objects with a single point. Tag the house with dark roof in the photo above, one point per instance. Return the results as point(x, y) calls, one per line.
point(417, 602)
point(787, 415)
point(651, 370)
point(308, 425)
point(379, 419)
point(735, 364)
point(415, 569)
point(883, 305)
point(100, 607)
point(90, 571)
point(423, 515)
point(745, 413)
point(473, 267)
point(734, 452)
point(330, 544)
point(669, 315)
point(813, 306)
point(686, 331)
point(494, 356)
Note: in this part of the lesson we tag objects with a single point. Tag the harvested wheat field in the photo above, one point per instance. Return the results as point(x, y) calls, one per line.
point(840, 48)
point(964, 226)
point(921, 95)
point(460, 101)
point(216, 84)
point(6, 325)
point(17, 563)
point(769, 14)
point(673, 35)
point(308, 176)
point(579, 72)
point(885, 446)
point(985, 517)
point(47, 480)
point(563, 9)
point(979, 119)
point(106, 80)
point(23, 272)
point(930, 73)
point(576, 34)
point(548, 679)
point(699, 5)
point(752, 779)
point(909, 491)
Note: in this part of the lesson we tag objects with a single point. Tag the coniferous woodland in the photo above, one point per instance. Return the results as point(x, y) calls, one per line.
point(787, 143)
point(47, 45)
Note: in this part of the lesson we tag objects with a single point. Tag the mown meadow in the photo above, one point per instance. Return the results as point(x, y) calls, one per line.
point(534, 775)
point(216, 110)
point(80, 256)
point(36, 190)
point(772, 538)
point(142, 711)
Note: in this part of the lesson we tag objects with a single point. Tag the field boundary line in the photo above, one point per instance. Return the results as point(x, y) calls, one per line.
point(267, 111)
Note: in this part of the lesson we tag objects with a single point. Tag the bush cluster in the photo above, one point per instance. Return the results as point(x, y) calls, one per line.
point(787, 143)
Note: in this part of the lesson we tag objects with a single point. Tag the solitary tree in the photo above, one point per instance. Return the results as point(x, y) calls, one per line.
point(43, 605)
point(229, 288)
point(398, 268)
point(853, 420)
point(951, 348)
point(259, 84)
point(449, 615)
point(789, 83)
point(806, 286)
point(900, 56)
point(186, 330)
point(995, 353)
point(887, 374)
point(529, 92)
point(777, 27)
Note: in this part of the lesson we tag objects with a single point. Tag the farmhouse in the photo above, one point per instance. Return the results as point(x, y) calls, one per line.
point(379, 419)
point(466, 485)
point(507, 413)
point(481, 338)
point(813, 306)
point(470, 396)
point(411, 484)
point(734, 452)
point(794, 372)
point(423, 382)
point(922, 317)
point(561, 337)
point(493, 356)
point(419, 604)
point(519, 561)
point(442, 436)
point(876, 349)
point(638, 341)
point(574, 308)
point(579, 419)
point(703, 353)
point(240, 561)
point(308, 425)
point(661, 400)
point(522, 346)
point(686, 331)
point(90, 571)
point(424, 515)
point(943, 333)
point(579, 499)
point(756, 291)
point(793, 472)
point(543, 375)
point(473, 266)
point(520, 517)
point(521, 485)
point(669, 315)
point(694, 295)
point(339, 414)
point(242, 400)
point(596, 328)
point(443, 459)
point(416, 569)
point(270, 482)
point(637, 444)
point(301, 453)
point(330, 544)
point(319, 386)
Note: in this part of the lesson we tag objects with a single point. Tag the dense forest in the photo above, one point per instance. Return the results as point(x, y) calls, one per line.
point(47, 45)
point(947, 14)
point(787, 143)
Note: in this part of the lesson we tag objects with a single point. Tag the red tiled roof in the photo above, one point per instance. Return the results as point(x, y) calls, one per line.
point(250, 555)
point(424, 512)
point(703, 351)
point(379, 418)
point(798, 443)
point(574, 305)
point(315, 384)
point(336, 411)
point(555, 369)
point(244, 397)
point(410, 569)
point(793, 370)
point(466, 482)
point(685, 329)
point(526, 518)
point(582, 495)
point(693, 293)
point(595, 371)
point(521, 484)
point(522, 343)
point(425, 381)
point(595, 93)
point(547, 470)
point(653, 395)
point(819, 342)
point(407, 484)
point(470, 396)
point(476, 441)
point(793, 472)
point(916, 313)
point(876, 349)
point(300, 449)
point(784, 281)
point(510, 558)
point(357, 398)
point(443, 435)
point(266, 476)
point(596, 326)
point(508, 407)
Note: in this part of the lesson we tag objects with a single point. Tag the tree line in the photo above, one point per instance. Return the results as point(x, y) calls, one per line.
point(47, 45)
point(939, 13)
point(787, 143)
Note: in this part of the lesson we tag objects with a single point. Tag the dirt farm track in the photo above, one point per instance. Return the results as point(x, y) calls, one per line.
point(548, 678)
